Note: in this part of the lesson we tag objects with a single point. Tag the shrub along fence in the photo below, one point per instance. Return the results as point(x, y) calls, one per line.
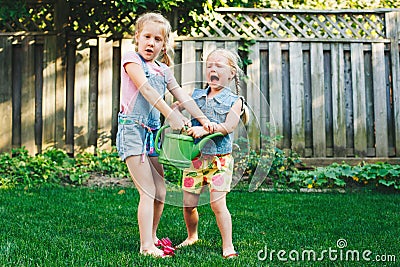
point(327, 81)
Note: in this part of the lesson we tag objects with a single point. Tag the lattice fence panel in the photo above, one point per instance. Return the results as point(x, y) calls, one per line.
point(292, 25)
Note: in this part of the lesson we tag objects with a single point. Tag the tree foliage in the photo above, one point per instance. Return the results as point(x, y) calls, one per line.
point(183, 13)
point(12, 9)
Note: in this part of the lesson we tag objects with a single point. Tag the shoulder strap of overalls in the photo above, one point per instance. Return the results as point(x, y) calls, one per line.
point(146, 69)
point(144, 65)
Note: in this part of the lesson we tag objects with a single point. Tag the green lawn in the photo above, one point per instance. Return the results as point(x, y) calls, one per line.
point(98, 227)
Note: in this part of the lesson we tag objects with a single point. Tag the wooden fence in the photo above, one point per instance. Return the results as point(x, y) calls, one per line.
point(329, 91)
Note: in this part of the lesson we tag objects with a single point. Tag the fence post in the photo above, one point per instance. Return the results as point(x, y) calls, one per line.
point(393, 33)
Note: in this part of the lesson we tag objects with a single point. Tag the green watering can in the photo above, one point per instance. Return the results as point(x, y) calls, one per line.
point(179, 149)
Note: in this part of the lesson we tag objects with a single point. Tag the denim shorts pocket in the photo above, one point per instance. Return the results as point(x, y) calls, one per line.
point(130, 139)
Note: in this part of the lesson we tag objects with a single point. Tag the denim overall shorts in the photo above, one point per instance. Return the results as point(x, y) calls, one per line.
point(137, 130)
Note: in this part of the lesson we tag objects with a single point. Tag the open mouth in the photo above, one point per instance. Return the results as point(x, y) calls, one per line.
point(148, 50)
point(214, 78)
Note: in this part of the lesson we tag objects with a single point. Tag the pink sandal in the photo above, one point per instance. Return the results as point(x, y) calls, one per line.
point(166, 245)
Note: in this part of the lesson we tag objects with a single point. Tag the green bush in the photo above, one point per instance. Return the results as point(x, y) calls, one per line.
point(271, 167)
point(55, 167)
point(376, 175)
point(267, 167)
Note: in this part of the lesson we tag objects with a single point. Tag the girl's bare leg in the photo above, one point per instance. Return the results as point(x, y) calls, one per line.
point(224, 221)
point(142, 177)
point(158, 176)
point(191, 217)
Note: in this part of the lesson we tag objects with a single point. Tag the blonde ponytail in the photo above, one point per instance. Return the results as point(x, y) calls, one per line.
point(166, 58)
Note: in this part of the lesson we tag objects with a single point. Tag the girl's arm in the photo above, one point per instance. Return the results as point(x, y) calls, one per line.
point(230, 124)
point(187, 102)
point(138, 77)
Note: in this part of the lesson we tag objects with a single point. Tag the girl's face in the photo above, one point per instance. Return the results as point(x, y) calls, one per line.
point(150, 40)
point(218, 71)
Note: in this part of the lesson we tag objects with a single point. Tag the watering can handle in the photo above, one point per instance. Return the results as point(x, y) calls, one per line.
point(158, 137)
point(200, 144)
point(206, 138)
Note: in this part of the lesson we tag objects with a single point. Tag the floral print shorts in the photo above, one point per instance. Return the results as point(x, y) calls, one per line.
point(214, 171)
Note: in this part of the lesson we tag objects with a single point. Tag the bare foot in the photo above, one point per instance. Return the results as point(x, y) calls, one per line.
point(187, 242)
point(229, 253)
point(155, 252)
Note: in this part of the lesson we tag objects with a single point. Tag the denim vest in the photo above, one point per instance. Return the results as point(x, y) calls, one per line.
point(216, 110)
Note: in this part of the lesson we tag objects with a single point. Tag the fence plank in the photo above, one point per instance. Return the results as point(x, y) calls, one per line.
point(359, 105)
point(38, 68)
point(327, 59)
point(69, 100)
point(49, 93)
point(308, 132)
point(394, 53)
point(28, 96)
point(275, 85)
point(286, 109)
point(297, 96)
point(116, 81)
point(318, 99)
point(188, 66)
point(393, 32)
point(93, 92)
point(265, 116)
point(105, 94)
point(369, 103)
point(253, 96)
point(60, 90)
point(240, 130)
point(5, 94)
point(208, 47)
point(348, 98)
point(81, 95)
point(380, 108)
point(338, 102)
